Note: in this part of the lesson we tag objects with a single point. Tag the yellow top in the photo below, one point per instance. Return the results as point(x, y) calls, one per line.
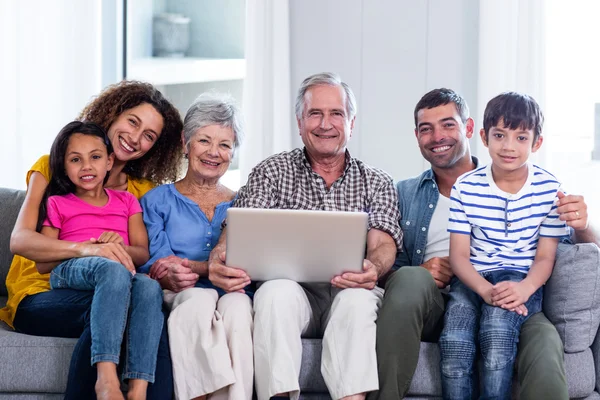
point(23, 279)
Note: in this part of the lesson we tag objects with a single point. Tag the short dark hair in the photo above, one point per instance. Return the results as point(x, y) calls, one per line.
point(60, 183)
point(516, 110)
point(441, 97)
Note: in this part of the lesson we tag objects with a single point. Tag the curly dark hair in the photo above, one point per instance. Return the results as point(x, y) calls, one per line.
point(162, 163)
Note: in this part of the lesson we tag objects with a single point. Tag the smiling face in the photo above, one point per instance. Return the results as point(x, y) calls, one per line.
point(210, 152)
point(442, 136)
point(135, 131)
point(87, 162)
point(325, 126)
point(510, 148)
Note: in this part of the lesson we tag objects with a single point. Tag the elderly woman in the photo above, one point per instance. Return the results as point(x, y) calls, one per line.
point(210, 331)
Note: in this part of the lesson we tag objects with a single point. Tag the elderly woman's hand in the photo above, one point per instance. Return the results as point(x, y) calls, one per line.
point(159, 269)
point(179, 276)
point(227, 278)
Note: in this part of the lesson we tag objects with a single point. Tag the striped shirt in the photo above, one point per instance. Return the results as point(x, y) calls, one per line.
point(505, 227)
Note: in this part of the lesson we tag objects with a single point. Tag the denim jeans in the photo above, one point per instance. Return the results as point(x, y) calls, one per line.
point(469, 324)
point(114, 289)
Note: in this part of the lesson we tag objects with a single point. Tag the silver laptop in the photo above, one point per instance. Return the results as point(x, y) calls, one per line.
point(301, 245)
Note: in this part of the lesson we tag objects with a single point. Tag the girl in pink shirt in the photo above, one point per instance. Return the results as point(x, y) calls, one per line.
point(78, 208)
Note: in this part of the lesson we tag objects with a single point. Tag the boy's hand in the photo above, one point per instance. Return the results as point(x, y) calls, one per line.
point(509, 295)
point(521, 310)
point(110, 237)
point(486, 293)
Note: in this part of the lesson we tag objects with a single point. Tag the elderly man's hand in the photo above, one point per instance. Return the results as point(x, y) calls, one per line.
point(366, 279)
point(573, 210)
point(439, 268)
point(179, 276)
point(227, 278)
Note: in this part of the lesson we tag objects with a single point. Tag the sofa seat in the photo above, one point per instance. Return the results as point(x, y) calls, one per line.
point(426, 383)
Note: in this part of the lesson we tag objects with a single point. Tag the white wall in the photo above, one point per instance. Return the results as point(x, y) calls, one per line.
point(390, 52)
point(50, 68)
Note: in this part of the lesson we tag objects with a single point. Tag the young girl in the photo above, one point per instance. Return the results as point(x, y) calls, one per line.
point(80, 209)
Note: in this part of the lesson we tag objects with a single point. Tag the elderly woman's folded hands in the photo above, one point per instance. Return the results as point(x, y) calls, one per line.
point(174, 273)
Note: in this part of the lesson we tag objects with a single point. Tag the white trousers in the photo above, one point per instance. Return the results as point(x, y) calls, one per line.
point(211, 344)
point(283, 312)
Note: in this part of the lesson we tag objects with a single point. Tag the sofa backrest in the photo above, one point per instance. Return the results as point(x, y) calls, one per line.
point(10, 204)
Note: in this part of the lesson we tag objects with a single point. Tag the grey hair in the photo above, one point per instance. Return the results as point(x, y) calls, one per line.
point(325, 78)
point(214, 109)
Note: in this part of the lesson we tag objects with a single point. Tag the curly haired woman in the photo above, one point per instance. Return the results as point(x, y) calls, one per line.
point(144, 130)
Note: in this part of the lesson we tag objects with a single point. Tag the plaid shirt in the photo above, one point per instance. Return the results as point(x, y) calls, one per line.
point(286, 180)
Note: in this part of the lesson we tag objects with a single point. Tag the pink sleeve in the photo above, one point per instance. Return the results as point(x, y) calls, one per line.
point(133, 204)
point(53, 217)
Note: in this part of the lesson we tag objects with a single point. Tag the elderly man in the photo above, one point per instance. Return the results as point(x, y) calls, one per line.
point(320, 176)
point(413, 307)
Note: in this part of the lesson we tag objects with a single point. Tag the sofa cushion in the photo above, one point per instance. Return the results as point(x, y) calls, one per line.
point(10, 204)
point(572, 295)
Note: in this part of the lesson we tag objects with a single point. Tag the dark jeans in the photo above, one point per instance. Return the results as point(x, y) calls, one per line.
point(413, 311)
point(66, 313)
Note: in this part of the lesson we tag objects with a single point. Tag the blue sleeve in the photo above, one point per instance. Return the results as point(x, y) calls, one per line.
point(154, 219)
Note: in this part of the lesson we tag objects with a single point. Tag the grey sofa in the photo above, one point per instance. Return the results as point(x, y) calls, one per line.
point(36, 367)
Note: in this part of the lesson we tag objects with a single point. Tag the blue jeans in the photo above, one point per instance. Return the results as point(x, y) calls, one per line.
point(469, 322)
point(114, 287)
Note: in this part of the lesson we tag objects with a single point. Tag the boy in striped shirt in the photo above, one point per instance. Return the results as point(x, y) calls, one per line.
point(504, 230)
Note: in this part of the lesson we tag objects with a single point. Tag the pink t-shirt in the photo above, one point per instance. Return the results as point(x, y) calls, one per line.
point(79, 221)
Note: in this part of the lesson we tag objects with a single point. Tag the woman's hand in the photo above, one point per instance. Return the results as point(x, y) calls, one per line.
point(112, 251)
point(179, 276)
point(159, 269)
point(229, 279)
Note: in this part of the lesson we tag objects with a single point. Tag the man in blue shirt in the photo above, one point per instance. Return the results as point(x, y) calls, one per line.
point(414, 302)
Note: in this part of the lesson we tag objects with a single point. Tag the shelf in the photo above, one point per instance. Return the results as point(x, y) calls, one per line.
point(172, 71)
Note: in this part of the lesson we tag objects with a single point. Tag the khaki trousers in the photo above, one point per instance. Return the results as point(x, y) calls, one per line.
point(211, 344)
point(285, 310)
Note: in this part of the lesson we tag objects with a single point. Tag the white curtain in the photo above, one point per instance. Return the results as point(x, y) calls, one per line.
point(267, 100)
point(511, 55)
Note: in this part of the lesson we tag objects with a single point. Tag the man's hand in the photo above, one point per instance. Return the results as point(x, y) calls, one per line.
point(179, 276)
point(110, 237)
point(229, 279)
point(573, 210)
point(160, 267)
point(510, 295)
point(439, 268)
point(365, 280)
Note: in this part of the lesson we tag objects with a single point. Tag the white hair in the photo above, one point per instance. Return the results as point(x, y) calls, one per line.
point(325, 78)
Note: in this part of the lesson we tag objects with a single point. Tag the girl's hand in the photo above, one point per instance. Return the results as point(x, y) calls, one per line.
point(112, 251)
point(110, 237)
